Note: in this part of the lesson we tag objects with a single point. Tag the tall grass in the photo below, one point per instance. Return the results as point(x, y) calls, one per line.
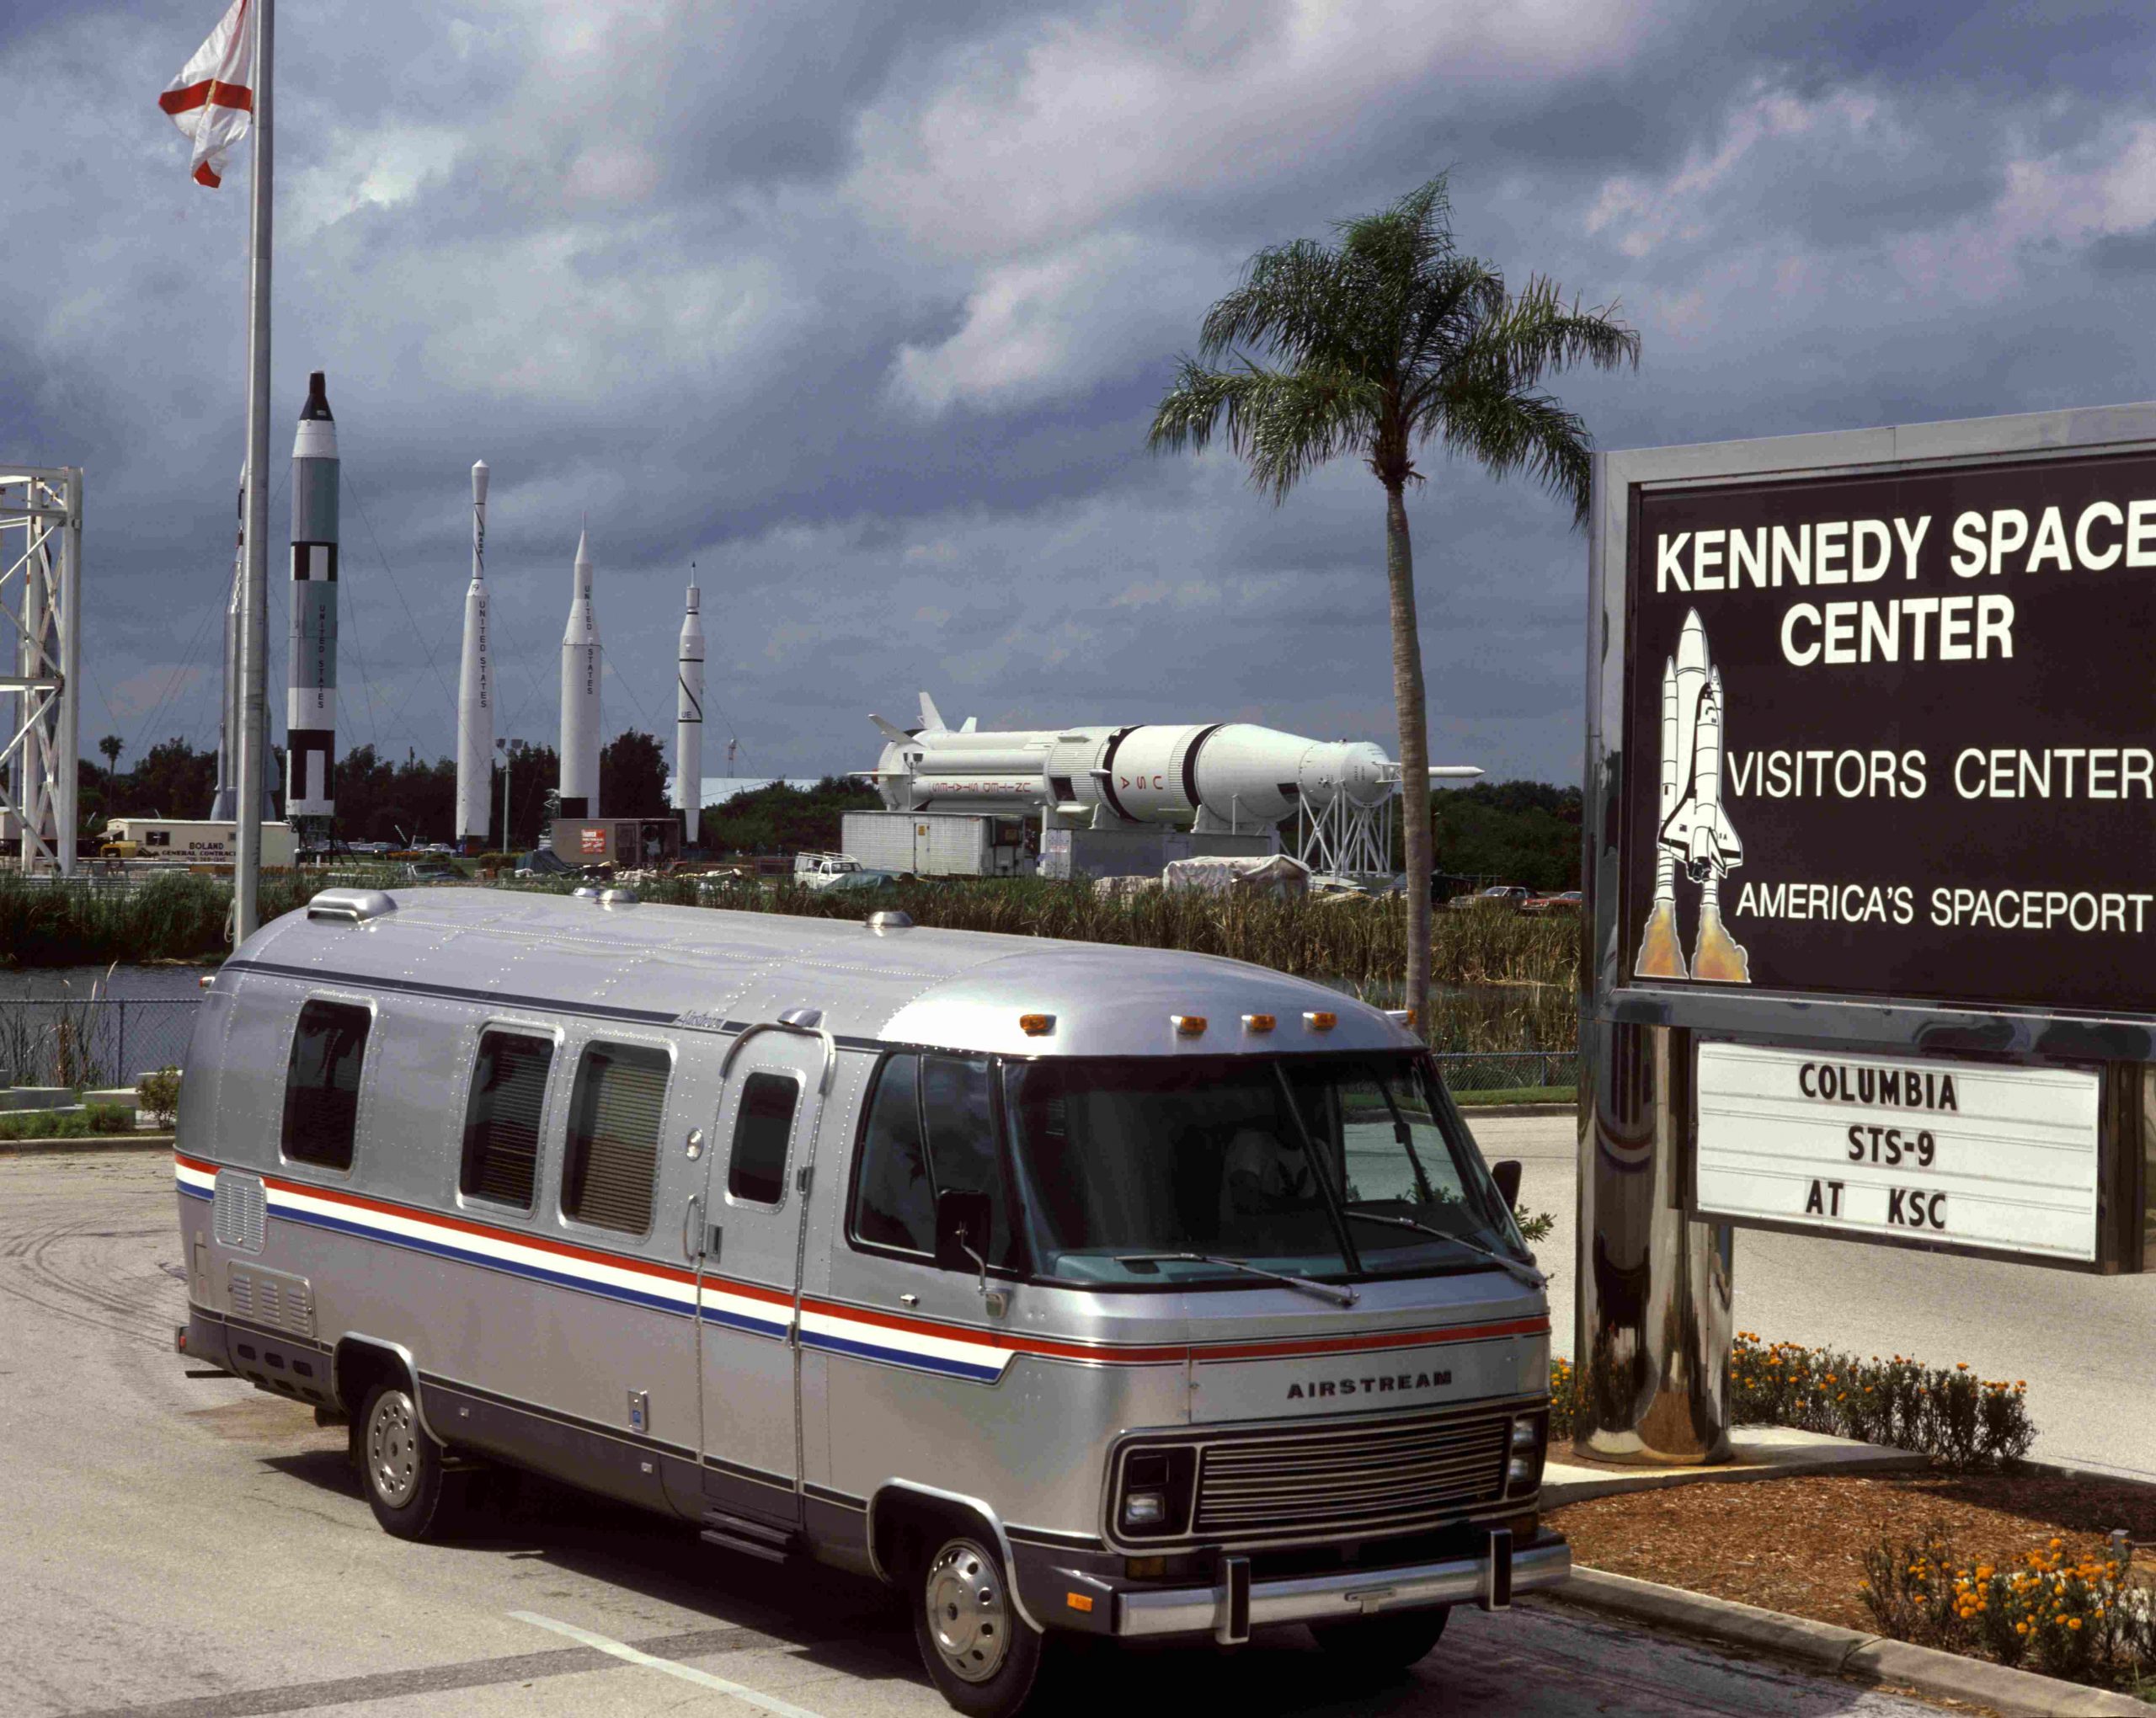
point(167, 918)
point(1502, 981)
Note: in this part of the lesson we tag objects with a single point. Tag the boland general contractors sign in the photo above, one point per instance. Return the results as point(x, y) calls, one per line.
point(1895, 735)
point(1964, 1155)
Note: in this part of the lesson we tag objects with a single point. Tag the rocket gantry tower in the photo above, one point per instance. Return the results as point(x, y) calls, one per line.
point(580, 671)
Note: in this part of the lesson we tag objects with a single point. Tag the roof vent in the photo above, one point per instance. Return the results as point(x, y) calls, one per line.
point(349, 906)
point(880, 923)
point(808, 1019)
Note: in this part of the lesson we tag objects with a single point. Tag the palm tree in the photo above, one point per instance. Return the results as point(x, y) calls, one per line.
point(111, 745)
point(1386, 340)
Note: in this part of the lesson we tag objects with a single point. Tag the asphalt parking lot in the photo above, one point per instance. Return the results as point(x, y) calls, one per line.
point(187, 1548)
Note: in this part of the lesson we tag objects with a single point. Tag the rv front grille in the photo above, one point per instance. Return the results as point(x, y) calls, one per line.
point(1342, 1479)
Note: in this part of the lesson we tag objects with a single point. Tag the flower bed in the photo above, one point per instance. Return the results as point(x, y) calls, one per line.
point(1963, 1422)
point(2088, 1615)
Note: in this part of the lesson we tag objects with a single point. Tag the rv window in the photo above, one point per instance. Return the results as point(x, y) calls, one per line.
point(960, 1118)
point(501, 1123)
point(761, 1129)
point(612, 1158)
point(322, 1085)
point(892, 1204)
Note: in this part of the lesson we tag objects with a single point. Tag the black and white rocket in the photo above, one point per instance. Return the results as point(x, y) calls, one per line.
point(580, 670)
point(475, 685)
point(311, 697)
point(689, 721)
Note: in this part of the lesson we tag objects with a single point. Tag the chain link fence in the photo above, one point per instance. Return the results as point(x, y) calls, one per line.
point(108, 1042)
point(1509, 1070)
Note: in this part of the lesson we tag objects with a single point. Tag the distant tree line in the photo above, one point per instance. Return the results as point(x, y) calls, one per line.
point(378, 798)
point(1523, 832)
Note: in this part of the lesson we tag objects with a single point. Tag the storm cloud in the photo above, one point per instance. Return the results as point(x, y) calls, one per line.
point(863, 311)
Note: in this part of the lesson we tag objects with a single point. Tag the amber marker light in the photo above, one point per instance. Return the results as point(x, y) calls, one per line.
point(1037, 1025)
point(1188, 1025)
point(1321, 1020)
point(1257, 1023)
point(1079, 1601)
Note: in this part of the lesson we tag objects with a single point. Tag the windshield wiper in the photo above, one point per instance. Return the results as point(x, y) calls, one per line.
point(1338, 1296)
point(1512, 1267)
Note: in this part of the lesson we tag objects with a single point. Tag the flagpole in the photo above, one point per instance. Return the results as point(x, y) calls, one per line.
point(254, 590)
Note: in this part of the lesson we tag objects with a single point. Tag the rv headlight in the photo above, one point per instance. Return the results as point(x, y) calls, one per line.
point(1156, 1488)
point(1144, 1509)
point(1524, 1452)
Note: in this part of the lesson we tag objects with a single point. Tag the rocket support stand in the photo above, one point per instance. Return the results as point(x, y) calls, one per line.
point(40, 653)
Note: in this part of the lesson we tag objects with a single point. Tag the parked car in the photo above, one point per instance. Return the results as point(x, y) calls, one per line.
point(1504, 897)
point(1570, 901)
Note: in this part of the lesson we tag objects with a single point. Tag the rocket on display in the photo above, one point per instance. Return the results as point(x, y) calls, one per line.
point(1211, 777)
point(580, 670)
point(311, 700)
point(227, 793)
point(475, 685)
point(689, 721)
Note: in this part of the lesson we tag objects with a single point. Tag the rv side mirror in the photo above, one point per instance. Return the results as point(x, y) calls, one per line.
point(962, 1231)
point(1507, 1176)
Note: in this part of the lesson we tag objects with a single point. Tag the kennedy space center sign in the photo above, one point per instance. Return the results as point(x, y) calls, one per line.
point(1895, 735)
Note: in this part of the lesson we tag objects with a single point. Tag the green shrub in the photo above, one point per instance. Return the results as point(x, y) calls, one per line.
point(1960, 1421)
point(107, 1118)
point(159, 1093)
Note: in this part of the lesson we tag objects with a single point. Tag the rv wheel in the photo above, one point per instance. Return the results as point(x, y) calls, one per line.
point(400, 1466)
point(979, 1651)
point(1382, 1642)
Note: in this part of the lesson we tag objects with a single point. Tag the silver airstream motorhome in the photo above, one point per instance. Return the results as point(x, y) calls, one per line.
point(1068, 1288)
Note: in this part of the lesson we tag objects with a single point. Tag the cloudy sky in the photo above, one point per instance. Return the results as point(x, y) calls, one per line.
point(864, 311)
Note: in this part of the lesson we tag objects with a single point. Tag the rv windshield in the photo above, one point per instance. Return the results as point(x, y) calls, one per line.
point(1120, 1159)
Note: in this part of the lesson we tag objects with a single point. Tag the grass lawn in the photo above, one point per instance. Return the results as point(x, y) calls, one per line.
point(1516, 1094)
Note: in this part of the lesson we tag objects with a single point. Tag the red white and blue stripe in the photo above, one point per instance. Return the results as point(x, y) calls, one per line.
point(828, 1326)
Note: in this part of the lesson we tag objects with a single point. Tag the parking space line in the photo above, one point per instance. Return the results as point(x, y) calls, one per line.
point(686, 1673)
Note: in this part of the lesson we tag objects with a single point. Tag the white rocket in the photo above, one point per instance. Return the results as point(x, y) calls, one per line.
point(311, 700)
point(1695, 830)
point(475, 685)
point(1210, 776)
point(580, 669)
point(227, 793)
point(689, 721)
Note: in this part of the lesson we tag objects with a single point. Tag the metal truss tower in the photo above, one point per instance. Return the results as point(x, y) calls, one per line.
point(1344, 838)
point(41, 656)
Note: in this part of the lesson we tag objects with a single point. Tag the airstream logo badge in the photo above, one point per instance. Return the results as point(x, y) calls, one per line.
point(1383, 1384)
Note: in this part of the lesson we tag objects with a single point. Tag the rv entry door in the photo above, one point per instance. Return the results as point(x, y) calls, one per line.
point(749, 1274)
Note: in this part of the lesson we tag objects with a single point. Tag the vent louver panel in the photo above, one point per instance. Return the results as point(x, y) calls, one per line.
point(271, 1298)
point(236, 1211)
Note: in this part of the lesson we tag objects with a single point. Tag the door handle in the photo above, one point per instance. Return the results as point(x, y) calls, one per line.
point(692, 1231)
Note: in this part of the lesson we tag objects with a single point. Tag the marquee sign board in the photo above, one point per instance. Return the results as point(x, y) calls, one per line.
point(1872, 772)
point(1895, 734)
point(1966, 1155)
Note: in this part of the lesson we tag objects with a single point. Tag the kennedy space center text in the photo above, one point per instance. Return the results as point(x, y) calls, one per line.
point(1958, 625)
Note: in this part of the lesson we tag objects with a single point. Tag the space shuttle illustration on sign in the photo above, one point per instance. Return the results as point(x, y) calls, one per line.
point(1692, 835)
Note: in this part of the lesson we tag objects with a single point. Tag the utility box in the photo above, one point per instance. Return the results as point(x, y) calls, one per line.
point(187, 842)
point(939, 843)
point(628, 843)
point(1143, 850)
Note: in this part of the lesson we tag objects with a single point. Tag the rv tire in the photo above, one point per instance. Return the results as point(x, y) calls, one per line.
point(979, 1652)
point(1385, 1643)
point(401, 1468)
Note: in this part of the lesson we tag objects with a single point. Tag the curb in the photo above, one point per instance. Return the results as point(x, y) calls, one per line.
point(92, 1143)
point(1839, 1652)
point(1558, 1493)
point(1472, 1110)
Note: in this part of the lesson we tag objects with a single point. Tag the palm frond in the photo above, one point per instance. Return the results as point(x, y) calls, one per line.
point(1506, 432)
point(1537, 332)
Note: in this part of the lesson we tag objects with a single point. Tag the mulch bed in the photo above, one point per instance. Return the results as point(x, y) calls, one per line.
point(1797, 1545)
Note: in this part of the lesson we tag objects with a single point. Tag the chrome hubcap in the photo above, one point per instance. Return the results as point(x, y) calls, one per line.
point(393, 1448)
point(966, 1613)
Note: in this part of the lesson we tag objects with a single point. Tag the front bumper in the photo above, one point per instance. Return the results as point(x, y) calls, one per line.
point(1234, 1605)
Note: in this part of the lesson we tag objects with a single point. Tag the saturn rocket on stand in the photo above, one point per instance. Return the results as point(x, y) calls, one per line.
point(311, 700)
point(475, 687)
point(580, 669)
point(689, 723)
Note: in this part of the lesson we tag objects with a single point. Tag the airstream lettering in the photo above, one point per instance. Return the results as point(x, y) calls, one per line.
point(1067, 1287)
